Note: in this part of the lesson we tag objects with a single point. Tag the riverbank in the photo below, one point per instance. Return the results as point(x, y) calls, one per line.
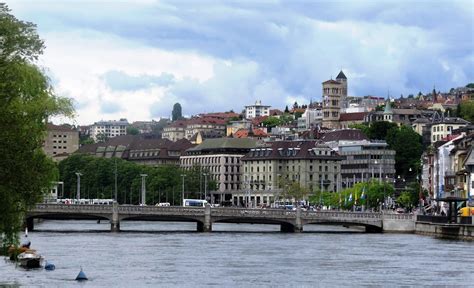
point(447, 231)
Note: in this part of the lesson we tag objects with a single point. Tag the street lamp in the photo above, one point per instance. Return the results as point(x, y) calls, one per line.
point(205, 185)
point(182, 190)
point(143, 189)
point(78, 192)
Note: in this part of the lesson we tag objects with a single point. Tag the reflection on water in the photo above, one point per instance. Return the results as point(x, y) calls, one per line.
point(173, 254)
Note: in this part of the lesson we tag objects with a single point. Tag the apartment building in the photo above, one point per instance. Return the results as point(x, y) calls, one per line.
point(60, 141)
point(257, 110)
point(221, 157)
point(313, 165)
point(103, 130)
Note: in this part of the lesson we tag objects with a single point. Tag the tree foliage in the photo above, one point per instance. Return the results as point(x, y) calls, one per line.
point(163, 183)
point(176, 114)
point(27, 101)
point(132, 130)
point(466, 110)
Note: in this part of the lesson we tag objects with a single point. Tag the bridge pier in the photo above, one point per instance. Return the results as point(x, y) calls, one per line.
point(205, 226)
point(373, 229)
point(115, 222)
point(289, 228)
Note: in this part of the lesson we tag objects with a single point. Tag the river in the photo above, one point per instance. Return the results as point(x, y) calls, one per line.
point(237, 255)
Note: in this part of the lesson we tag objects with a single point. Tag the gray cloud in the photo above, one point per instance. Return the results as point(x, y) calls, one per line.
point(119, 80)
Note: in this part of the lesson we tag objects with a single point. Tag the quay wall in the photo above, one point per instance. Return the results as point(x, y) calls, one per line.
point(449, 231)
point(398, 223)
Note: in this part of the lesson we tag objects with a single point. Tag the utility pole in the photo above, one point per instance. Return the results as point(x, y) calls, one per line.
point(78, 192)
point(205, 185)
point(143, 189)
point(182, 190)
point(116, 199)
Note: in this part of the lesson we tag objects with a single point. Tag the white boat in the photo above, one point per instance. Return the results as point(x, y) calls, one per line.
point(29, 259)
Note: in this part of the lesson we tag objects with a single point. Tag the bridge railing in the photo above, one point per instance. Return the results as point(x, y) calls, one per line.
point(72, 207)
point(396, 216)
point(226, 211)
point(161, 209)
point(340, 214)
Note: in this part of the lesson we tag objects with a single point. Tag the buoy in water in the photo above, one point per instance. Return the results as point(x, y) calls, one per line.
point(81, 276)
point(49, 266)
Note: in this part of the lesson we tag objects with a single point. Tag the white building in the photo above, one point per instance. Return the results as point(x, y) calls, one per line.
point(310, 118)
point(109, 129)
point(256, 110)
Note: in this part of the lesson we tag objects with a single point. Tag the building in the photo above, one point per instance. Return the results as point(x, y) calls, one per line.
point(334, 100)
point(399, 116)
point(236, 125)
point(310, 119)
point(313, 165)
point(441, 129)
point(189, 128)
point(103, 130)
point(257, 110)
point(348, 119)
point(364, 161)
point(174, 131)
point(221, 157)
point(60, 141)
point(140, 150)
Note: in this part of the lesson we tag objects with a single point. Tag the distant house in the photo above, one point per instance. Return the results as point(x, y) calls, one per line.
point(60, 141)
point(256, 110)
point(108, 129)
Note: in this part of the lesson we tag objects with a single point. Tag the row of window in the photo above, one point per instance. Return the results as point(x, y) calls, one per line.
point(59, 135)
point(59, 141)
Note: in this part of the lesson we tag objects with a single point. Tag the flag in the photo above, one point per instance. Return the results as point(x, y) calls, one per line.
point(350, 197)
point(363, 196)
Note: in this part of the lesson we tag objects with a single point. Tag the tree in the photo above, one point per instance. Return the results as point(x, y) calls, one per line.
point(379, 129)
point(27, 101)
point(271, 122)
point(363, 127)
point(466, 110)
point(408, 148)
point(176, 114)
point(470, 85)
point(132, 131)
point(286, 109)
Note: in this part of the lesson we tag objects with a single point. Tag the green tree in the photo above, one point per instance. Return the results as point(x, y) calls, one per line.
point(132, 131)
point(286, 109)
point(271, 122)
point(27, 101)
point(408, 148)
point(470, 85)
point(362, 127)
point(379, 129)
point(176, 114)
point(466, 110)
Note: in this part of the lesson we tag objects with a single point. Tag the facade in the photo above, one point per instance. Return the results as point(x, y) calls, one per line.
point(312, 165)
point(60, 141)
point(445, 127)
point(221, 157)
point(310, 119)
point(399, 116)
point(257, 110)
point(334, 100)
point(187, 129)
point(235, 126)
point(175, 131)
point(108, 129)
point(364, 160)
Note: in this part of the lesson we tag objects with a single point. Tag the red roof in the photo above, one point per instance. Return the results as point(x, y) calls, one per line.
point(244, 133)
point(356, 116)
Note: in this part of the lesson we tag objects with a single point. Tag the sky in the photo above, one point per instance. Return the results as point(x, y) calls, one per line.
point(135, 59)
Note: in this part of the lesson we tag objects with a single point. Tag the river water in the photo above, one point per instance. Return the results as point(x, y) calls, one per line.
point(238, 255)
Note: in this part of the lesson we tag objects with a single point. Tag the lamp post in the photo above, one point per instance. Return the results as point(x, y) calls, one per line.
point(205, 185)
point(143, 189)
point(78, 192)
point(182, 190)
point(116, 200)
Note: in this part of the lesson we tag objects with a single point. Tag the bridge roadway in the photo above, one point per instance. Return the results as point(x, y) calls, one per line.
point(289, 220)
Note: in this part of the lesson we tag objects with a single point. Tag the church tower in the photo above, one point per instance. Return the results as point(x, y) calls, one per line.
point(334, 96)
point(341, 78)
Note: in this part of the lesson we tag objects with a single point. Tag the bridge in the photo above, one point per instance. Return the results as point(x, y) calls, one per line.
point(289, 220)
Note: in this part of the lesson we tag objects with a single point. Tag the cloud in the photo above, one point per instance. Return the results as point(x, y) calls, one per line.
point(146, 56)
point(119, 80)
